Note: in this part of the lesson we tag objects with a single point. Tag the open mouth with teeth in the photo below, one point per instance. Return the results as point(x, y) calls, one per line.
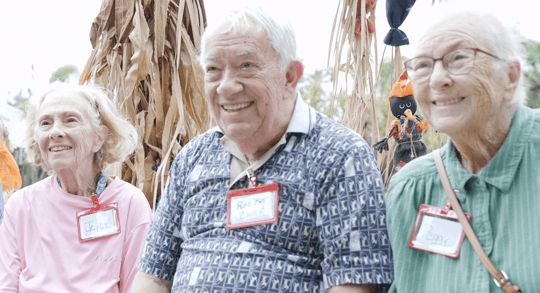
point(236, 107)
point(59, 149)
point(449, 102)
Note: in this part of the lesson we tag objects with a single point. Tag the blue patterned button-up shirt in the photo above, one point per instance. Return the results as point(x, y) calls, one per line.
point(331, 227)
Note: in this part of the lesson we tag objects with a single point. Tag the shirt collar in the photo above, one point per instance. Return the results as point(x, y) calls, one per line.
point(501, 169)
point(301, 120)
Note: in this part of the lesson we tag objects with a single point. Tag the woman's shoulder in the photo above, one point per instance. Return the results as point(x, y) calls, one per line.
point(124, 191)
point(535, 134)
point(28, 194)
point(415, 170)
point(132, 203)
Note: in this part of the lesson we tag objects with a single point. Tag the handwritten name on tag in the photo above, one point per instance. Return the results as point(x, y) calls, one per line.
point(252, 206)
point(437, 232)
point(98, 224)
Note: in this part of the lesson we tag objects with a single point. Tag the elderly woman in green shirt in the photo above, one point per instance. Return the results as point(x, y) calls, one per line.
point(466, 76)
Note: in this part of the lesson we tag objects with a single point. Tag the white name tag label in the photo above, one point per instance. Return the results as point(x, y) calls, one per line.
point(437, 232)
point(252, 206)
point(94, 224)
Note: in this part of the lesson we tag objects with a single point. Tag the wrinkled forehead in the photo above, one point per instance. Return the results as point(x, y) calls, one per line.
point(234, 30)
point(74, 100)
point(63, 95)
point(451, 32)
point(231, 44)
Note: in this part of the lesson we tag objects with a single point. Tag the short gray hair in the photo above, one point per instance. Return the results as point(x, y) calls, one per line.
point(280, 33)
point(122, 138)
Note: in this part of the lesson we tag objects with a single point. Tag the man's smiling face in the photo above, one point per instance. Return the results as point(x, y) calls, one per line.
point(244, 85)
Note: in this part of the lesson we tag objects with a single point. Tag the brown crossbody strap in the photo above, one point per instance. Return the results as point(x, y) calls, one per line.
point(500, 277)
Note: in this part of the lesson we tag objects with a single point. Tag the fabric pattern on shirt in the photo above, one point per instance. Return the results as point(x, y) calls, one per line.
point(331, 227)
point(502, 199)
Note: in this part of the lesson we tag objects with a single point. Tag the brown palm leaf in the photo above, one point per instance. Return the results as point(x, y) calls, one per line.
point(145, 52)
point(356, 57)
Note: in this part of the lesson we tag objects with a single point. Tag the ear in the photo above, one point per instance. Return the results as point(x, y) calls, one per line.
point(103, 134)
point(293, 74)
point(514, 74)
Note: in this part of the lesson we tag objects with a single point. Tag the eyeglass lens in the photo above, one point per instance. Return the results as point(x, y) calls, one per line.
point(457, 62)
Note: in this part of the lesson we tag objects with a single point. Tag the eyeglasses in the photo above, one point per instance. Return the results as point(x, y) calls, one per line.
point(456, 62)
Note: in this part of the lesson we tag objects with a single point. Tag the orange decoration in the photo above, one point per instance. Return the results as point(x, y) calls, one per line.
point(358, 28)
point(401, 88)
point(9, 173)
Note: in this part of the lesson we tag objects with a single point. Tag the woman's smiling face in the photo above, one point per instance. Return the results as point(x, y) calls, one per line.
point(65, 134)
point(458, 103)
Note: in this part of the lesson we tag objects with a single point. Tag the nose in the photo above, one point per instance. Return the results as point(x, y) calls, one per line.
point(56, 131)
point(440, 77)
point(229, 85)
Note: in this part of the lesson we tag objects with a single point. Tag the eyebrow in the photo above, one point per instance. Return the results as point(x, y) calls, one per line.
point(210, 58)
point(453, 47)
point(63, 113)
point(245, 53)
point(240, 54)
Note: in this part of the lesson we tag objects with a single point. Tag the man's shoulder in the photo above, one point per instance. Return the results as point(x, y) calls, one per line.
point(330, 133)
point(200, 143)
point(204, 145)
point(210, 137)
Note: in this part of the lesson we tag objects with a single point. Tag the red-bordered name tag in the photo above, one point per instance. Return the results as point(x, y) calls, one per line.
point(437, 230)
point(252, 206)
point(99, 221)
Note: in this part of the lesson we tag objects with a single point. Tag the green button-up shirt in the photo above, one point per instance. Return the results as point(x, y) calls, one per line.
point(504, 202)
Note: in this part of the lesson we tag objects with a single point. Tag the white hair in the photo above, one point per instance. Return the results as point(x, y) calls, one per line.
point(122, 137)
point(279, 32)
point(498, 38)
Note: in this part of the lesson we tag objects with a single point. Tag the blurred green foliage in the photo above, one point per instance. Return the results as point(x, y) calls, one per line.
point(316, 92)
point(64, 73)
point(532, 75)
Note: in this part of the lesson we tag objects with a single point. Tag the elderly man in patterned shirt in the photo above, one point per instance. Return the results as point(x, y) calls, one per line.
point(278, 197)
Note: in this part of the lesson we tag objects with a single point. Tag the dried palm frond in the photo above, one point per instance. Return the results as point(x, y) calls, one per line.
point(145, 52)
point(357, 59)
point(356, 56)
point(355, 34)
point(355, 51)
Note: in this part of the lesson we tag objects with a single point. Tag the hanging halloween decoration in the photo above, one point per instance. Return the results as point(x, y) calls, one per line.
point(396, 12)
point(358, 26)
point(9, 170)
point(407, 128)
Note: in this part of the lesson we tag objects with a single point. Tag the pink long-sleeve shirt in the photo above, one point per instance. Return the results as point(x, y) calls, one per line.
point(40, 249)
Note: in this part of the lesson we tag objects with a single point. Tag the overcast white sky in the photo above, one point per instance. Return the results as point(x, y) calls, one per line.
point(52, 33)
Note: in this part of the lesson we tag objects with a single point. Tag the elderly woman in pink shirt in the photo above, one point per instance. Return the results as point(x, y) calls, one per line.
point(78, 230)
